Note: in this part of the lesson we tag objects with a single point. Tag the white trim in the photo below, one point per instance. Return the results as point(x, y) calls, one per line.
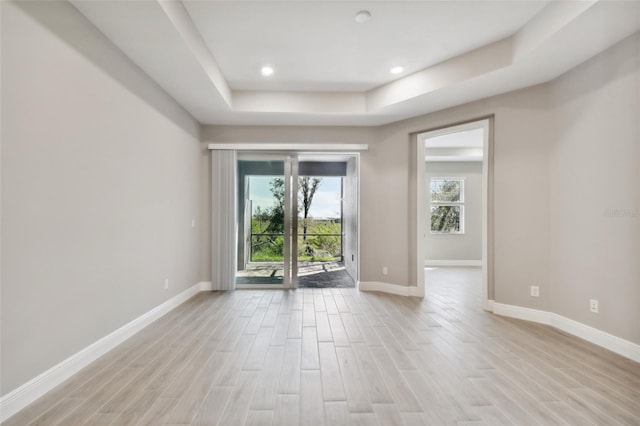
point(522, 313)
point(452, 158)
point(488, 306)
point(472, 125)
point(400, 290)
point(421, 213)
point(486, 123)
point(358, 223)
point(429, 262)
point(423, 201)
point(24, 395)
point(293, 147)
point(609, 341)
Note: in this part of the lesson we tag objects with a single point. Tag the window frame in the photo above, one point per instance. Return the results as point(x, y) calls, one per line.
point(460, 204)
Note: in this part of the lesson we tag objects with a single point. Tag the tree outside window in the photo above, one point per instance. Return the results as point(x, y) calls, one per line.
point(447, 205)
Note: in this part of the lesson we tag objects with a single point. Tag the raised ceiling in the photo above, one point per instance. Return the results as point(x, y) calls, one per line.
point(330, 70)
point(318, 46)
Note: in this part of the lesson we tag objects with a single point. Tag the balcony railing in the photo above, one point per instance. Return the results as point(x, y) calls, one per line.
point(266, 247)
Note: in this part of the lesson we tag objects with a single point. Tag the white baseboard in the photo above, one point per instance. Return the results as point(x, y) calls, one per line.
point(520, 312)
point(488, 305)
point(400, 290)
point(453, 263)
point(24, 395)
point(609, 341)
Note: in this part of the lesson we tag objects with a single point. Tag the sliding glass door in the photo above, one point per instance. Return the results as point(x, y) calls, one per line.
point(264, 220)
point(291, 221)
point(320, 236)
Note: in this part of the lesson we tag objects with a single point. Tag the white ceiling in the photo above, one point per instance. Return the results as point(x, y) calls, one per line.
point(330, 70)
point(318, 46)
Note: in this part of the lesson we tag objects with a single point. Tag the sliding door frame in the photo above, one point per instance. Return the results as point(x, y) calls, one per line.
point(290, 152)
point(293, 230)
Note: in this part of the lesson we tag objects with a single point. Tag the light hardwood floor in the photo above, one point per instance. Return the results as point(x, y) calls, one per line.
point(337, 356)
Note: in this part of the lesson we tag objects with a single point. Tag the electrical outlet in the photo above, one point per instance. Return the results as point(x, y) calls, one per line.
point(166, 283)
point(535, 291)
point(593, 306)
point(385, 270)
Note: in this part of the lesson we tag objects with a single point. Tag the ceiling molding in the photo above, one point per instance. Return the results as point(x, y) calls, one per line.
point(183, 24)
point(175, 55)
point(481, 61)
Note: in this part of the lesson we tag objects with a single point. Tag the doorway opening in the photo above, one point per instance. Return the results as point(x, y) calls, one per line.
point(453, 208)
point(297, 220)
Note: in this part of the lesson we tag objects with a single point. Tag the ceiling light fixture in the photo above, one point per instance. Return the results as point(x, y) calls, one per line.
point(396, 70)
point(266, 71)
point(362, 16)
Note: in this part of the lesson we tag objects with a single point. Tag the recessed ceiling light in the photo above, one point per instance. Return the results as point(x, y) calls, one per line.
point(362, 16)
point(396, 70)
point(266, 71)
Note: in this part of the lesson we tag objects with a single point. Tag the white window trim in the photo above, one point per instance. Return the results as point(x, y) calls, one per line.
point(460, 204)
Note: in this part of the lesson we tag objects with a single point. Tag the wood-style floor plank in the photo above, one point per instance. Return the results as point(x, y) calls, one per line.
point(310, 357)
point(326, 356)
point(311, 402)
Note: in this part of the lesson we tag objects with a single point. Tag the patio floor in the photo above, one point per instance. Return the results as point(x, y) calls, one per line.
point(310, 274)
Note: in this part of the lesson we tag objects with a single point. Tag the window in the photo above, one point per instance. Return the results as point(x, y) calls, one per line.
point(447, 205)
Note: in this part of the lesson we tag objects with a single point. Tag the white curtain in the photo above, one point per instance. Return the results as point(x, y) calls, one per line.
point(224, 231)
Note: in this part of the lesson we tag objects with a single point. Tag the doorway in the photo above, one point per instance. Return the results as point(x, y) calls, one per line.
point(453, 185)
point(297, 220)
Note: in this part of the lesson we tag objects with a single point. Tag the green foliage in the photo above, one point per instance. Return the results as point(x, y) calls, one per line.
point(270, 223)
point(267, 248)
point(308, 187)
point(445, 219)
point(324, 246)
point(275, 215)
point(443, 190)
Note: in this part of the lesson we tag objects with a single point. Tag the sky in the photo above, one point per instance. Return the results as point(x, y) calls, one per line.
point(325, 204)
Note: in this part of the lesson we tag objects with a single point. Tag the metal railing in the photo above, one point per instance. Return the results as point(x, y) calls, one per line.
point(308, 235)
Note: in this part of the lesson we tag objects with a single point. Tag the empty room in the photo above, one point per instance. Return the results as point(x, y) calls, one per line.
point(320, 212)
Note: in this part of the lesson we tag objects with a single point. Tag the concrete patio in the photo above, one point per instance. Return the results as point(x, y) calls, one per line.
point(310, 274)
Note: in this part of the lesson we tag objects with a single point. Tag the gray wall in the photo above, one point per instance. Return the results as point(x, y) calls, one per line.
point(99, 187)
point(595, 192)
point(467, 246)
